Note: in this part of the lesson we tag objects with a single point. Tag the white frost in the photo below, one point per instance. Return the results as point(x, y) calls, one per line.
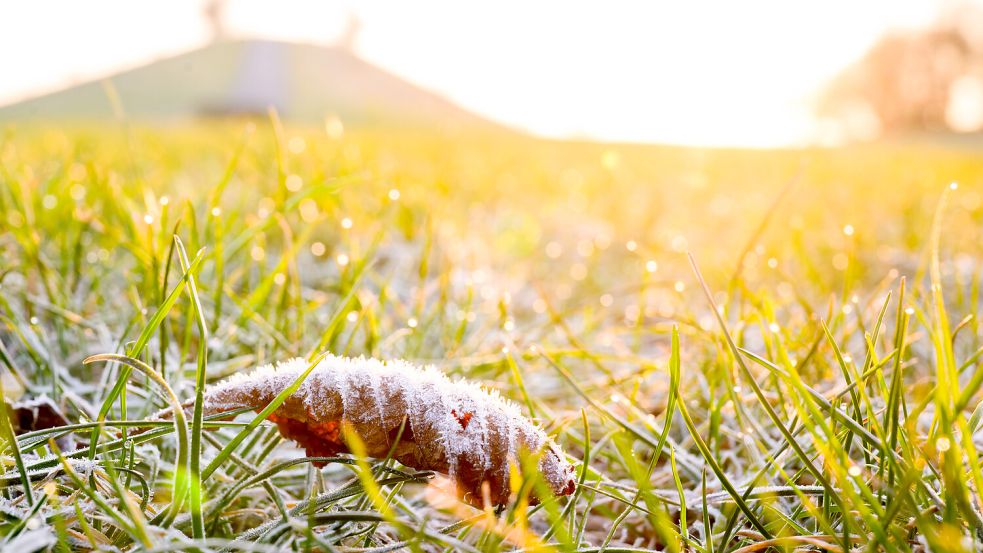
point(373, 391)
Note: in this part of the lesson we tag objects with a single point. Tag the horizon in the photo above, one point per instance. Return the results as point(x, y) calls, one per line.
point(769, 101)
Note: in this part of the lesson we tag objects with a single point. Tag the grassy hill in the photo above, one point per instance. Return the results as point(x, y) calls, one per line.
point(304, 82)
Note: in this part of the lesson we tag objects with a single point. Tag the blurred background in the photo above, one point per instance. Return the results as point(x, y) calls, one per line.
point(762, 73)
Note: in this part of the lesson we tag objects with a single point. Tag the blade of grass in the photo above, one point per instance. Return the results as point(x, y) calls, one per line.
point(763, 401)
point(708, 456)
point(198, 521)
point(138, 346)
point(180, 423)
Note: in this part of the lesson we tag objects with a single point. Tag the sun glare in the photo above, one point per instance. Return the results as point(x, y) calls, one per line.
point(700, 73)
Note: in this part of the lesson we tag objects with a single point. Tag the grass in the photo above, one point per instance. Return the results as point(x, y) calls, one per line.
point(807, 379)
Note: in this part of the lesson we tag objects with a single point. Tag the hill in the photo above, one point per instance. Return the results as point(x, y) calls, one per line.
point(304, 82)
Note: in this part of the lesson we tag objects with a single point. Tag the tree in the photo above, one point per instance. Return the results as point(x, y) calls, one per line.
point(913, 81)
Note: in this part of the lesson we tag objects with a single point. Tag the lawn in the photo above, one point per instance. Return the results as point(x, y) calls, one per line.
point(806, 379)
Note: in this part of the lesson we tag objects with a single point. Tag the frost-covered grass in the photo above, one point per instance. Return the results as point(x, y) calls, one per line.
point(832, 404)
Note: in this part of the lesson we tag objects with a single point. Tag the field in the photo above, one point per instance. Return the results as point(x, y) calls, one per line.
point(809, 381)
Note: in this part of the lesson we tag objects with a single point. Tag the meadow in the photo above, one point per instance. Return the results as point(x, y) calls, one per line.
point(805, 379)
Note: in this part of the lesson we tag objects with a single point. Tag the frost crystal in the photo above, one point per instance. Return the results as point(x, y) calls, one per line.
point(453, 427)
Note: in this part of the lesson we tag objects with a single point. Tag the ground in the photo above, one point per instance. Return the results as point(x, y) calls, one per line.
point(829, 406)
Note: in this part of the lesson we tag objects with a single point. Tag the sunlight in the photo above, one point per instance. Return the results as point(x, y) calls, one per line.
point(700, 73)
point(370, 275)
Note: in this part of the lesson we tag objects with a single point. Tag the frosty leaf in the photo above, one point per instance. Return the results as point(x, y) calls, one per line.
point(453, 427)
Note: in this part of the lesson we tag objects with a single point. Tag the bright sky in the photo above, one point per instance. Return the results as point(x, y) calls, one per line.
point(695, 72)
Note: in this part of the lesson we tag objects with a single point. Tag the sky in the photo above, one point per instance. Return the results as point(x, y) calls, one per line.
point(700, 72)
